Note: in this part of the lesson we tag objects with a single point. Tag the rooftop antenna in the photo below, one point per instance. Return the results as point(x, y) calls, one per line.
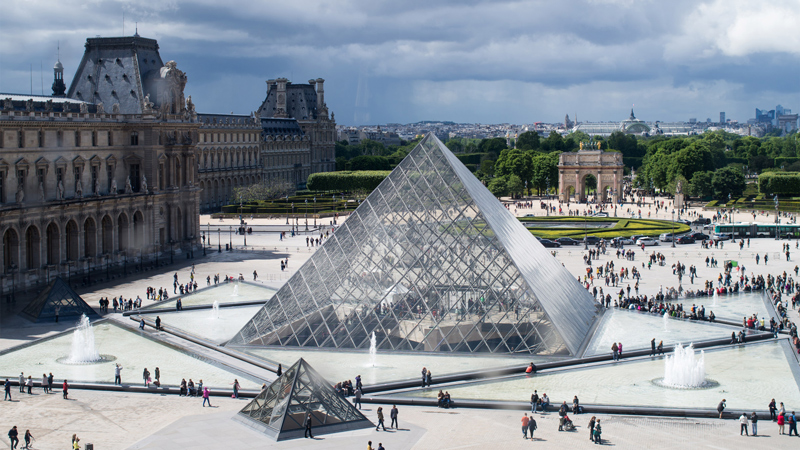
point(137, 30)
point(31, 78)
point(41, 74)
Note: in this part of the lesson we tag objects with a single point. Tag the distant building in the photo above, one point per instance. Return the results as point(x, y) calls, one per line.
point(722, 117)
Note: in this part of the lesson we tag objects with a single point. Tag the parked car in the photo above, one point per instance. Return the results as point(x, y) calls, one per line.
point(623, 241)
point(701, 221)
point(684, 221)
point(592, 240)
point(666, 237)
point(699, 236)
point(647, 241)
point(568, 241)
point(721, 237)
point(548, 243)
point(636, 237)
point(685, 240)
point(600, 214)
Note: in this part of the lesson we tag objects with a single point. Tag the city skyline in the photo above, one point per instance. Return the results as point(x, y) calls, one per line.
point(473, 62)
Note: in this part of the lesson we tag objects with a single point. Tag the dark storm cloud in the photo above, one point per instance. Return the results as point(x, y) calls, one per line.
point(481, 61)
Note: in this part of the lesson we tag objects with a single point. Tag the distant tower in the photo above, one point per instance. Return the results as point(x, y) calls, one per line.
point(722, 117)
point(59, 88)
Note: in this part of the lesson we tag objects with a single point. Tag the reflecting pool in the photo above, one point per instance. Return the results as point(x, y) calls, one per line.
point(234, 292)
point(203, 323)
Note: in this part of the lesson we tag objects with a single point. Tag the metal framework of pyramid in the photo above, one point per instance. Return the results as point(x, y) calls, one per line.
point(431, 261)
point(57, 296)
point(281, 408)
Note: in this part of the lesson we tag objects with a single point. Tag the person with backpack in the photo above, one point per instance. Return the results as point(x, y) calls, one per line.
point(597, 432)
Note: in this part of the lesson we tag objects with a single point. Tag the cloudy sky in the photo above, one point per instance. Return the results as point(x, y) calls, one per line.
point(459, 60)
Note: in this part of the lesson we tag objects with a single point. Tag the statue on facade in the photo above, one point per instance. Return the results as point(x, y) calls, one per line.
point(101, 109)
point(128, 187)
point(41, 191)
point(48, 106)
point(144, 184)
point(84, 108)
point(115, 108)
point(79, 189)
point(96, 188)
point(113, 187)
point(147, 106)
point(7, 104)
point(189, 105)
point(20, 194)
point(60, 190)
point(29, 105)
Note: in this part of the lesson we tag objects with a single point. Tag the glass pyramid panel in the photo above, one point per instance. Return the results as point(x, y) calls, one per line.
point(429, 262)
point(57, 297)
point(280, 410)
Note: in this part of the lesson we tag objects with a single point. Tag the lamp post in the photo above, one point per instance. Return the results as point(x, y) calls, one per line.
point(673, 228)
point(776, 218)
point(171, 253)
point(585, 240)
point(12, 269)
point(730, 209)
point(219, 240)
point(287, 216)
point(204, 243)
point(230, 237)
point(315, 212)
point(107, 276)
point(244, 232)
point(306, 215)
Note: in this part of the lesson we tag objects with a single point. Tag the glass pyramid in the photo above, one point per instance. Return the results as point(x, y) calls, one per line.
point(431, 261)
point(57, 296)
point(281, 408)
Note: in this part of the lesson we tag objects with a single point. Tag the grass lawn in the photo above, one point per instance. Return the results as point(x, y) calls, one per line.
point(621, 228)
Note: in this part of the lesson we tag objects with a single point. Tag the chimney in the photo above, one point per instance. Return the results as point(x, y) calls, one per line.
point(280, 99)
point(320, 94)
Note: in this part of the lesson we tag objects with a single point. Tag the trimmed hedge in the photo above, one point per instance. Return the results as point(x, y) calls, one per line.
point(785, 160)
point(781, 183)
point(471, 158)
point(622, 228)
point(632, 161)
point(346, 181)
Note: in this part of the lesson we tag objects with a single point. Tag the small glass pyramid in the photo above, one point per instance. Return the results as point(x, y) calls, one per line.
point(281, 408)
point(57, 297)
point(431, 261)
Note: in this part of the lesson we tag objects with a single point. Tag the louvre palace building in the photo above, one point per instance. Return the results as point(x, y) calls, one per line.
point(112, 171)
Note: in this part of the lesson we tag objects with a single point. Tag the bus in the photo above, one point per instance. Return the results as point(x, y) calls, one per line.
point(757, 230)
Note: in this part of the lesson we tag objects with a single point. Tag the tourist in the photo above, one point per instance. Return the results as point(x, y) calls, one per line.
point(158, 323)
point(743, 425)
point(424, 376)
point(141, 324)
point(206, 397)
point(190, 387)
point(7, 386)
point(29, 384)
point(44, 384)
point(369, 445)
point(619, 349)
point(280, 370)
point(792, 419)
point(592, 421)
point(534, 401)
point(597, 432)
point(146, 376)
point(50, 383)
point(393, 416)
point(358, 382)
point(576, 407)
point(773, 416)
point(721, 407)
point(158, 377)
point(532, 426)
point(545, 402)
point(65, 390)
point(76, 443)
point(380, 446)
point(255, 275)
point(781, 422)
point(614, 351)
point(380, 419)
point(782, 410)
point(307, 424)
point(525, 421)
point(754, 423)
point(653, 347)
point(182, 391)
point(118, 375)
point(235, 389)
point(21, 383)
point(428, 378)
point(12, 436)
point(357, 401)
point(531, 369)
point(28, 438)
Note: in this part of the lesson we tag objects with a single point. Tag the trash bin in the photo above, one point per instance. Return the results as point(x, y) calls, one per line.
point(89, 446)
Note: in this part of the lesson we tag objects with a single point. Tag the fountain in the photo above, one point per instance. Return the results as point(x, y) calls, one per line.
point(373, 350)
point(665, 319)
point(714, 298)
point(83, 350)
point(215, 310)
point(683, 371)
point(235, 290)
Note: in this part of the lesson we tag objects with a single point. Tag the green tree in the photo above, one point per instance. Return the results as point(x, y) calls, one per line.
point(553, 143)
point(492, 145)
point(498, 187)
point(726, 181)
point(544, 167)
point(528, 140)
point(514, 161)
point(486, 169)
point(514, 185)
point(367, 162)
point(701, 184)
point(455, 145)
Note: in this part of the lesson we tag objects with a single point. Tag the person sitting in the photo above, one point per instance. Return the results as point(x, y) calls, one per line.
point(446, 403)
point(531, 369)
point(440, 399)
point(190, 386)
point(545, 401)
point(183, 387)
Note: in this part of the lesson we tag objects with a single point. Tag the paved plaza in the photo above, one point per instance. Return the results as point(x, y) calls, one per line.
point(119, 420)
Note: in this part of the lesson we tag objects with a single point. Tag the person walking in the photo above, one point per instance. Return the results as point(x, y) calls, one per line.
point(28, 438)
point(7, 386)
point(280, 370)
point(743, 425)
point(307, 433)
point(146, 376)
point(592, 421)
point(614, 351)
point(525, 420)
point(118, 375)
point(380, 419)
point(357, 398)
point(45, 387)
point(781, 422)
point(754, 423)
point(235, 389)
point(50, 383)
point(393, 416)
point(597, 432)
point(792, 419)
point(76, 443)
point(13, 437)
point(532, 426)
point(653, 347)
point(206, 397)
point(65, 390)
point(721, 407)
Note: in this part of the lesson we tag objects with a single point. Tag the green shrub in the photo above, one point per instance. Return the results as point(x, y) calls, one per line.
point(346, 181)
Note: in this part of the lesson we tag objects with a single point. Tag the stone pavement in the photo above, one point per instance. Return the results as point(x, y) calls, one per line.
point(146, 421)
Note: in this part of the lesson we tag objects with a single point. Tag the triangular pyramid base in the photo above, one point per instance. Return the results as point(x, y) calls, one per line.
point(280, 410)
point(57, 297)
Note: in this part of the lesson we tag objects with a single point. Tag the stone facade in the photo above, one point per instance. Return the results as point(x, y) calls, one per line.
point(575, 167)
